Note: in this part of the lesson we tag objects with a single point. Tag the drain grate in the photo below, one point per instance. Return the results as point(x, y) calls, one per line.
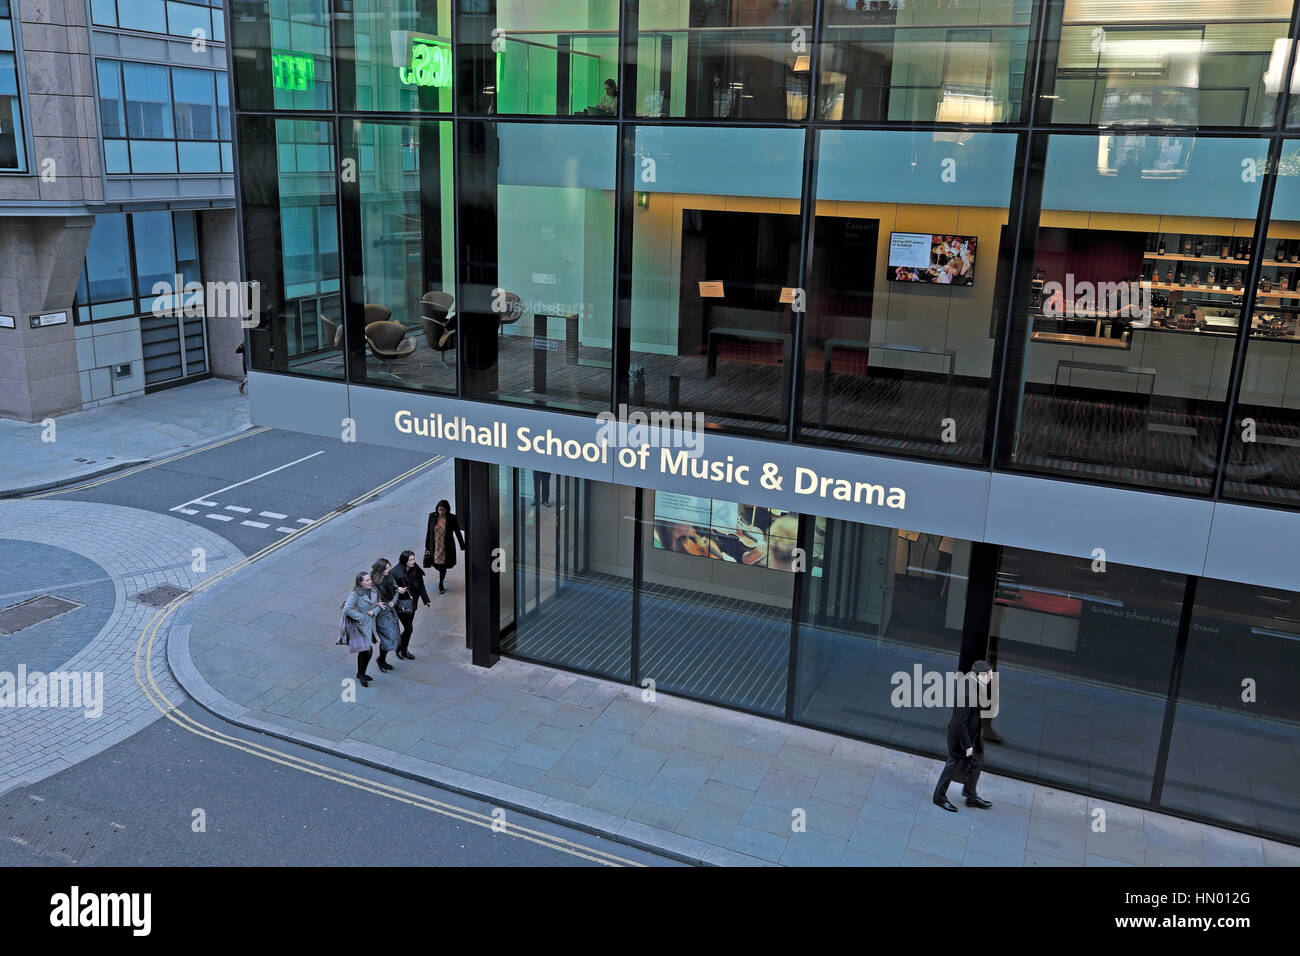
point(160, 596)
point(57, 830)
point(33, 611)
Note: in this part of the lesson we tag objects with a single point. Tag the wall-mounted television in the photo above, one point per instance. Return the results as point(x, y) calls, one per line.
point(925, 257)
point(726, 531)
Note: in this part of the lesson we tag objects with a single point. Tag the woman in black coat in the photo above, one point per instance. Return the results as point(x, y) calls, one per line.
point(440, 541)
point(409, 579)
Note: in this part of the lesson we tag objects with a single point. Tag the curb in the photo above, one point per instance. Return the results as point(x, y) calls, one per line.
point(552, 809)
point(78, 477)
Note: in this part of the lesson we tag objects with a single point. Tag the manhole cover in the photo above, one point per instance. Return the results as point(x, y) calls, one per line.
point(34, 611)
point(160, 596)
point(57, 830)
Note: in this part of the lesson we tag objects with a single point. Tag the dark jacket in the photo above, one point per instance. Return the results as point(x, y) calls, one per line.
point(454, 534)
point(387, 588)
point(965, 730)
point(413, 580)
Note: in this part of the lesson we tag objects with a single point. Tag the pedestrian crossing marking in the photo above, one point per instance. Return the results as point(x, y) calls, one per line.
point(255, 524)
point(222, 517)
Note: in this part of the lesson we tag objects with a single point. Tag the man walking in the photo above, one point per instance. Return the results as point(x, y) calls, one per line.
point(965, 744)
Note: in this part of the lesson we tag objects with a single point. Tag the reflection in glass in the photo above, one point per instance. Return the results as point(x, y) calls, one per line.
point(537, 223)
point(1262, 463)
point(900, 331)
point(395, 55)
point(572, 581)
point(409, 328)
point(1172, 63)
point(1142, 249)
point(1083, 661)
point(713, 628)
point(281, 54)
point(916, 62)
point(543, 57)
point(715, 259)
point(287, 176)
point(1233, 758)
point(715, 59)
point(879, 601)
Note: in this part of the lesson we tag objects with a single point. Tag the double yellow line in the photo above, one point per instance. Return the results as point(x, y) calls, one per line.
point(144, 677)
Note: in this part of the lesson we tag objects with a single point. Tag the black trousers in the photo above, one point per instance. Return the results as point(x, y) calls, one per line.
point(965, 769)
point(408, 622)
point(363, 661)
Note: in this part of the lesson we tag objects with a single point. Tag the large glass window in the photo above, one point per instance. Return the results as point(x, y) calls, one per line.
point(878, 601)
point(159, 119)
point(282, 55)
point(910, 267)
point(714, 59)
point(291, 247)
point(395, 55)
point(715, 262)
point(541, 57)
point(12, 146)
point(408, 313)
point(1084, 659)
point(1168, 62)
point(1236, 727)
point(572, 572)
point(919, 62)
point(194, 20)
point(716, 599)
point(537, 224)
point(1142, 250)
point(1262, 462)
point(129, 253)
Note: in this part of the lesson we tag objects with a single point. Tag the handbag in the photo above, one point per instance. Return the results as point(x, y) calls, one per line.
point(428, 558)
point(405, 605)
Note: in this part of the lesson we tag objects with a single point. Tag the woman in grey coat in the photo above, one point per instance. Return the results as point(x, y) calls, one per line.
point(361, 608)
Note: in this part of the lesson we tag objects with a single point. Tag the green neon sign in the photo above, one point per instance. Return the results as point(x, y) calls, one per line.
point(292, 71)
point(430, 63)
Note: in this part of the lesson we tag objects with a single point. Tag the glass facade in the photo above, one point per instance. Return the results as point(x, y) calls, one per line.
point(131, 254)
point(1047, 237)
point(194, 20)
point(161, 119)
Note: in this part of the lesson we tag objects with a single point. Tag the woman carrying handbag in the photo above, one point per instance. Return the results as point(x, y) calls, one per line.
point(410, 590)
point(440, 541)
point(386, 623)
point(359, 613)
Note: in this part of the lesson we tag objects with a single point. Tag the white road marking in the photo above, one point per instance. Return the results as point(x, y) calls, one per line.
point(286, 530)
point(222, 517)
point(242, 511)
point(306, 520)
point(272, 514)
point(203, 499)
point(255, 524)
point(186, 511)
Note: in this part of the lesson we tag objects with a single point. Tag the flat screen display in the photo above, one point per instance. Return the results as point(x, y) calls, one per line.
point(726, 531)
point(935, 259)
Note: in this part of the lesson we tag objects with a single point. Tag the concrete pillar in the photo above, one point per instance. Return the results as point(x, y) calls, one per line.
point(219, 238)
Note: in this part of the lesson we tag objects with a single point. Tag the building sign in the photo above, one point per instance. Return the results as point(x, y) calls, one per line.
point(7, 322)
point(49, 318)
point(291, 71)
point(429, 63)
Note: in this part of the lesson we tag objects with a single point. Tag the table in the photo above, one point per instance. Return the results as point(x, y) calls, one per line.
point(715, 334)
point(861, 345)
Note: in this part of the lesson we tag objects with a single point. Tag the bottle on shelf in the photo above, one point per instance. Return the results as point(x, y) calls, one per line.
point(1223, 250)
point(1212, 279)
point(1196, 278)
point(1161, 249)
point(1241, 252)
point(1187, 245)
point(1280, 254)
point(1285, 283)
point(1295, 251)
point(1182, 277)
point(1200, 247)
point(1169, 275)
point(1236, 281)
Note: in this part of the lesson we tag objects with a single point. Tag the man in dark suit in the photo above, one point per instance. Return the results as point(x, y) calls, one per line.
point(965, 746)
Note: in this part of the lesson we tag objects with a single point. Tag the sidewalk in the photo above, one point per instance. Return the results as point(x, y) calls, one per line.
point(699, 783)
point(110, 437)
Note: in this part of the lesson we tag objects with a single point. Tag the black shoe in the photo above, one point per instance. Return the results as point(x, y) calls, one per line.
point(942, 803)
point(385, 667)
point(410, 656)
point(365, 681)
point(975, 800)
point(441, 589)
